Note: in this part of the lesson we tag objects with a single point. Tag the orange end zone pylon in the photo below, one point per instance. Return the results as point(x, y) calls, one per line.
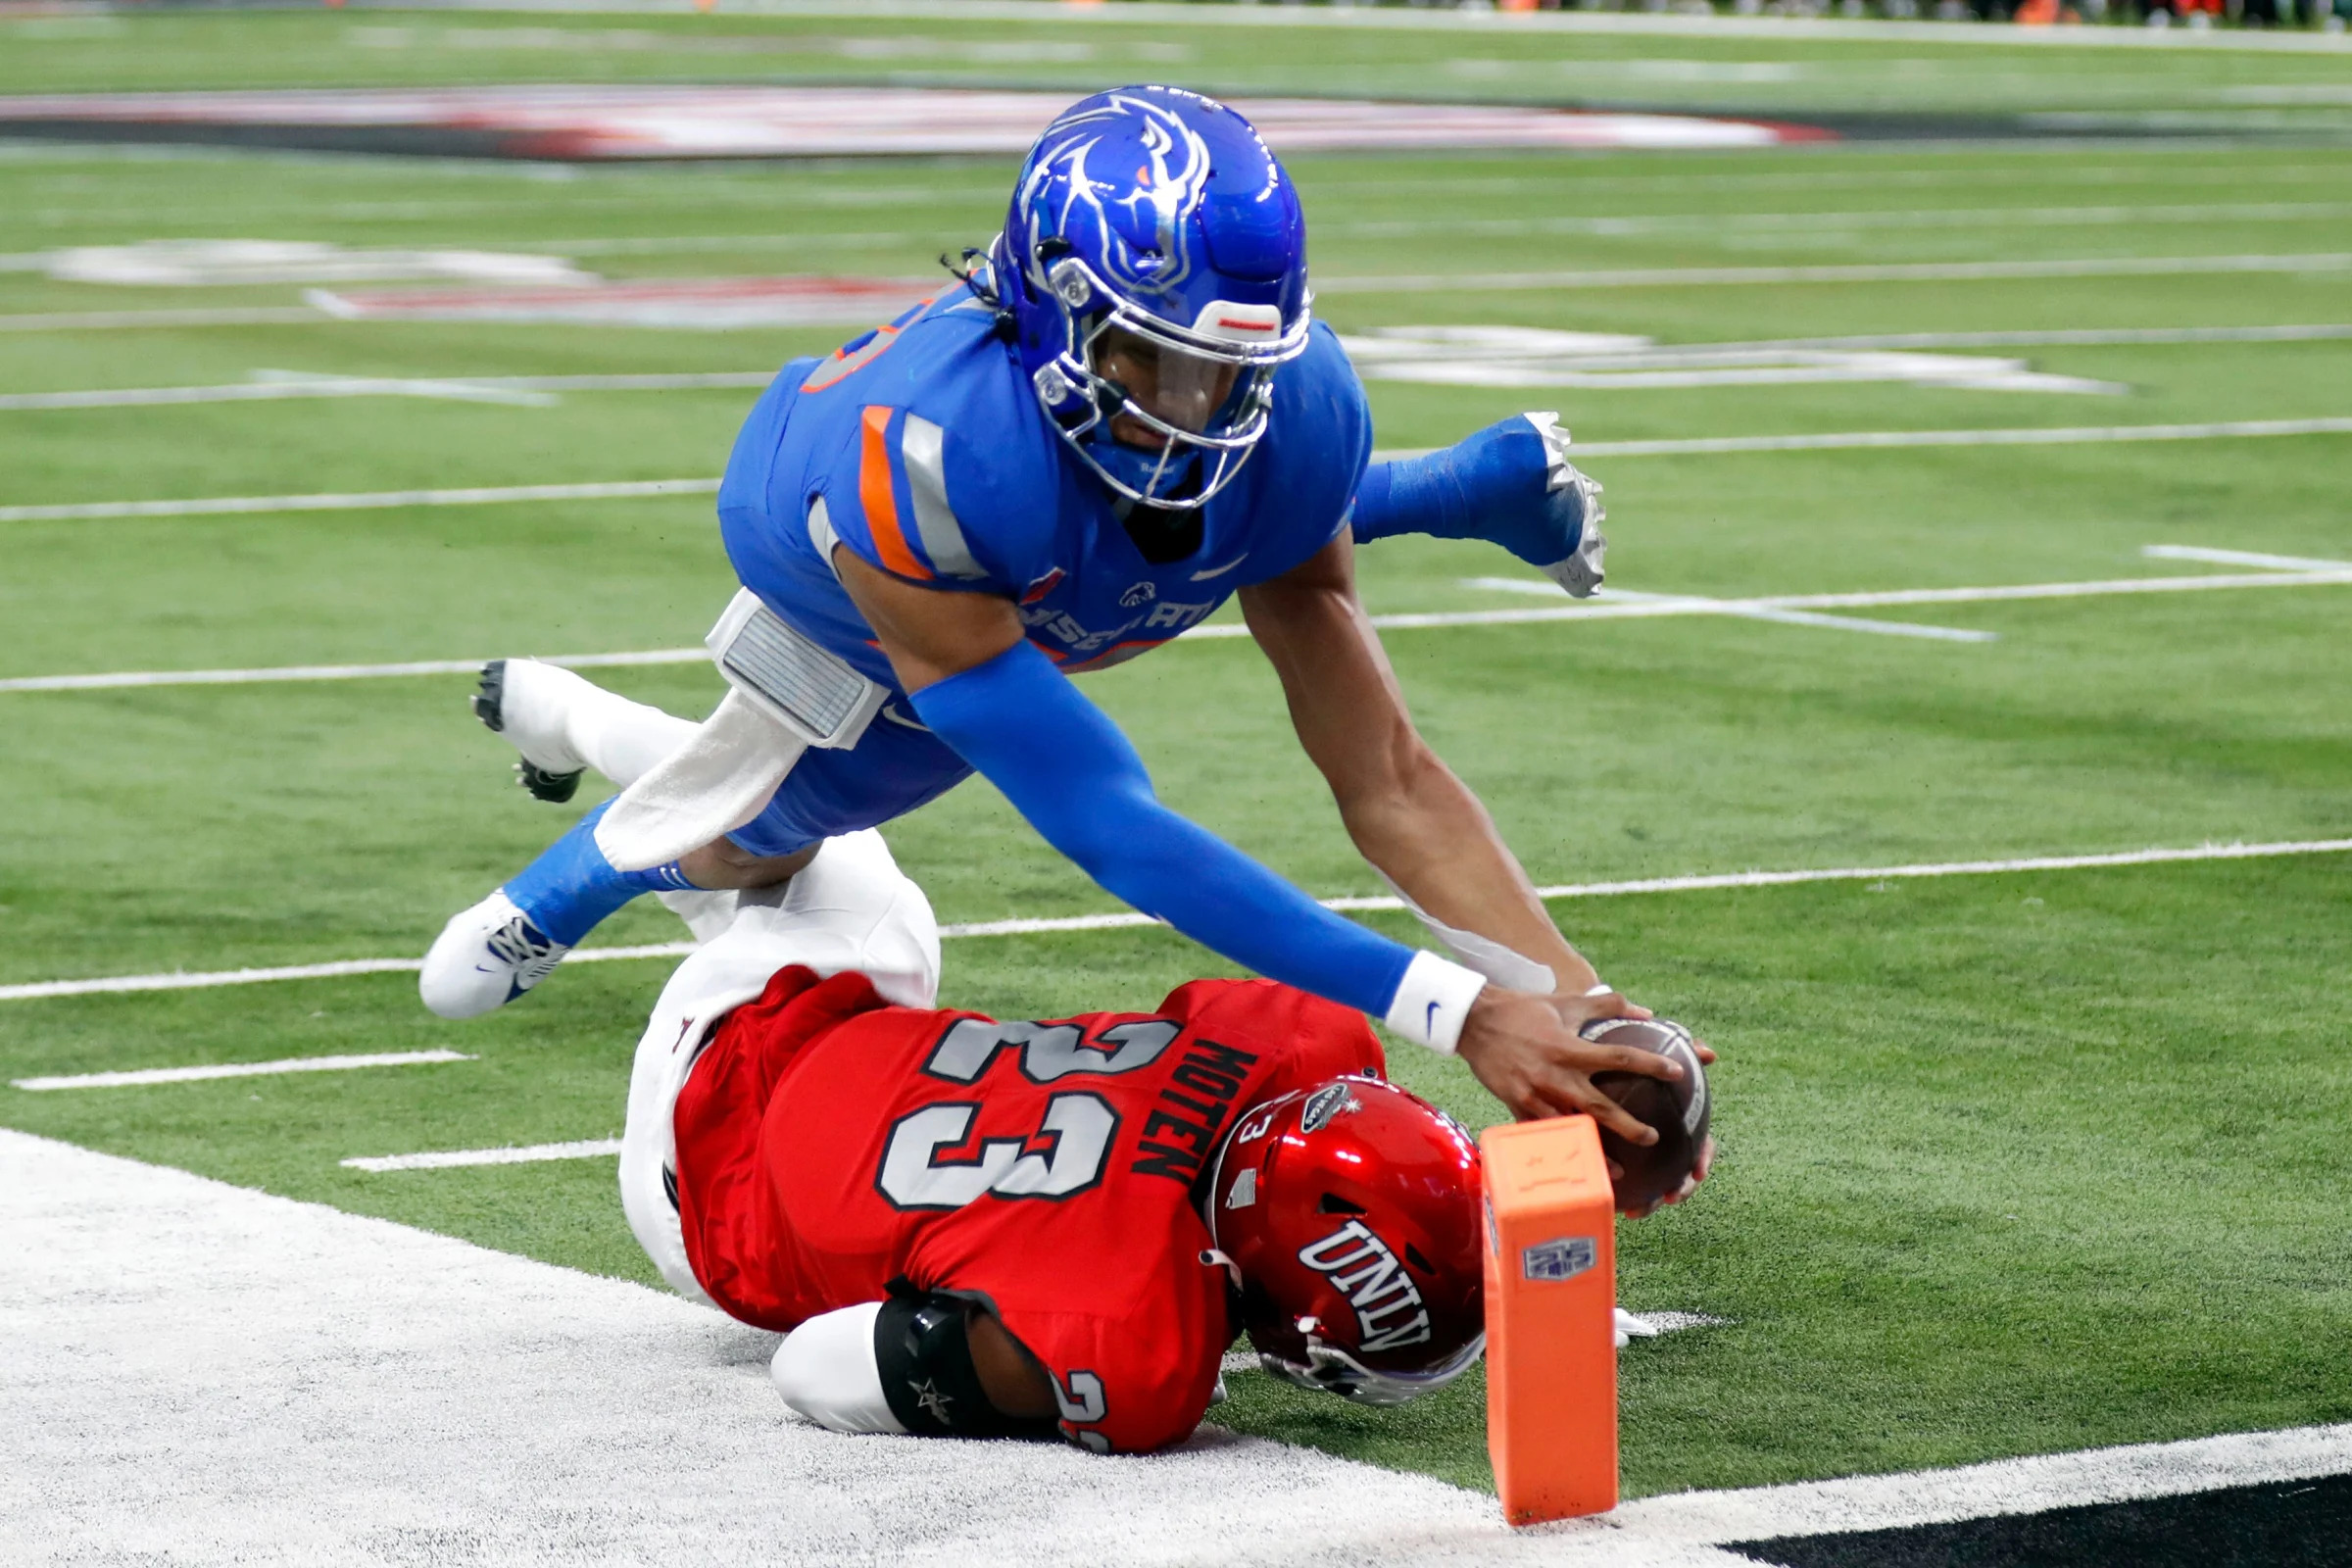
point(1551, 1339)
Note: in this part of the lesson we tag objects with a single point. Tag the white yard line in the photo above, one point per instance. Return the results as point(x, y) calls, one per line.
point(538, 390)
point(1608, 606)
point(2242, 558)
point(236, 1069)
point(184, 1324)
point(218, 315)
point(528, 1154)
point(277, 386)
point(1611, 604)
point(1393, 283)
point(1121, 919)
point(2062, 337)
point(2064, 436)
point(1839, 273)
point(303, 672)
point(1696, 605)
point(350, 386)
point(364, 500)
point(1629, 224)
point(93, 510)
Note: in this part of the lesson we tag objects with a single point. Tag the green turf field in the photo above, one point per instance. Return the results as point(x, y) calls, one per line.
point(2012, 1163)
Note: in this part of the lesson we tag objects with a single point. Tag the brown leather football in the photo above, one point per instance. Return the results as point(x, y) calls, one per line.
point(1679, 1111)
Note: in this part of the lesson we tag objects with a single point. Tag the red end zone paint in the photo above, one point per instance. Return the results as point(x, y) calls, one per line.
point(603, 123)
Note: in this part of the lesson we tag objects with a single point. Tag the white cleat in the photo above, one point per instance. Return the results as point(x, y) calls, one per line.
point(527, 703)
point(484, 958)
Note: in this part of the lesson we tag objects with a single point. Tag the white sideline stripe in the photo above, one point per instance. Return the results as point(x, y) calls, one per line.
point(185, 1322)
point(528, 1154)
point(1120, 919)
point(236, 1069)
point(1614, 604)
point(2242, 558)
point(1839, 273)
point(216, 505)
point(488, 495)
point(1975, 1492)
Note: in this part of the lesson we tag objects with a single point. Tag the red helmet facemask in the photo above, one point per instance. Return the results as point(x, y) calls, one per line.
point(1351, 1211)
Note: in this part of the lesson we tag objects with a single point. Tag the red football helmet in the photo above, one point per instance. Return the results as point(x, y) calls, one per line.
point(1351, 1211)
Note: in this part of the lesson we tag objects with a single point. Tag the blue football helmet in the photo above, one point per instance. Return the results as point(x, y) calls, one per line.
point(1154, 264)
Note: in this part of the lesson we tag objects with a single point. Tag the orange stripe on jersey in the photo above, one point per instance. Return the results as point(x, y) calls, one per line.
point(881, 502)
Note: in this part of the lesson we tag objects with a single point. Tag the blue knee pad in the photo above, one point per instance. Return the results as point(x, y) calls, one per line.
point(571, 887)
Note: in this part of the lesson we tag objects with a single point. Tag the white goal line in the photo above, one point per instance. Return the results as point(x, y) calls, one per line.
point(1113, 920)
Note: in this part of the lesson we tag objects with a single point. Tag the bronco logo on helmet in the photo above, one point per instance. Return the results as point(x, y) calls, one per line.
point(1153, 221)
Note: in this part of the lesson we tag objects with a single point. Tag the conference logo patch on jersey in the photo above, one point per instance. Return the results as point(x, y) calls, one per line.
point(1359, 1265)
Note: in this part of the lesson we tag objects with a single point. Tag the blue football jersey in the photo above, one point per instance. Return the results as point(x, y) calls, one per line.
point(922, 448)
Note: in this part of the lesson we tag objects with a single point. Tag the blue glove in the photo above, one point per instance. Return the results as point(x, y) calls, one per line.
point(1510, 484)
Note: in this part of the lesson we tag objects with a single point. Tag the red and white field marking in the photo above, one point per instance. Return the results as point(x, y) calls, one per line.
point(620, 123)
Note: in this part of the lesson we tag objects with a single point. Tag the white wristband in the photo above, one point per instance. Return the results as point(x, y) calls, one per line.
point(1433, 1000)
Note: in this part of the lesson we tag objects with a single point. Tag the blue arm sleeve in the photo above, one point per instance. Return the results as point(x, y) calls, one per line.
point(1493, 485)
point(1065, 767)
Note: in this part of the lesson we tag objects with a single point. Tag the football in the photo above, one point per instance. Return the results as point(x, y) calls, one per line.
point(1678, 1110)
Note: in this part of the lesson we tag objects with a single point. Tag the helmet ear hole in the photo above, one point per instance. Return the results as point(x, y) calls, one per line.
point(1412, 1255)
point(1334, 1203)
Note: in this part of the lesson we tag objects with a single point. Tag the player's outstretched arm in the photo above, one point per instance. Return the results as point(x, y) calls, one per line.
point(986, 691)
point(1421, 826)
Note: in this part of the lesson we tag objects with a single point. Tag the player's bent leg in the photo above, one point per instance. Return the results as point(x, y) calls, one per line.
point(501, 948)
point(851, 909)
point(562, 723)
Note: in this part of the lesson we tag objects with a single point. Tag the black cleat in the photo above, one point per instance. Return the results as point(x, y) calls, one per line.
point(489, 706)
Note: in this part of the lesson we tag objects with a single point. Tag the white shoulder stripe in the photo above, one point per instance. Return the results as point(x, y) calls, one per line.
point(821, 534)
point(927, 480)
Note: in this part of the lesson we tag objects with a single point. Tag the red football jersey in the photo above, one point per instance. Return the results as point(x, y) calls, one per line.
point(828, 1143)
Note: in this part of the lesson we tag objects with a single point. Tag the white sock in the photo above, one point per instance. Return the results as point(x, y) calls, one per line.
point(618, 737)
